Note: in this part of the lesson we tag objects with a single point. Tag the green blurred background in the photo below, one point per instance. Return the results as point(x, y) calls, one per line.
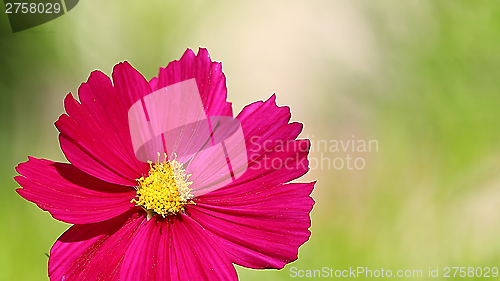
point(420, 77)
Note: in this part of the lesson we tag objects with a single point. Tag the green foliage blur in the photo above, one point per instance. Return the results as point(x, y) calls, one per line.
point(420, 77)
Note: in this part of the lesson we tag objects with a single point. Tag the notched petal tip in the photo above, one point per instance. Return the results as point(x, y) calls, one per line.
point(122, 65)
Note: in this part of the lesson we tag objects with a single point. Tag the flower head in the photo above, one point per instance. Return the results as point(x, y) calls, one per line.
point(164, 184)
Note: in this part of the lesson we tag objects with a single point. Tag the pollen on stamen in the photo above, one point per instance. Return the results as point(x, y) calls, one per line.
point(165, 191)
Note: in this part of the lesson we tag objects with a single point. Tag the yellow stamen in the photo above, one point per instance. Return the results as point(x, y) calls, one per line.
point(165, 191)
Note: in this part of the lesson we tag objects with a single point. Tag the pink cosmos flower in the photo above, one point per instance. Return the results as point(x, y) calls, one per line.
point(171, 200)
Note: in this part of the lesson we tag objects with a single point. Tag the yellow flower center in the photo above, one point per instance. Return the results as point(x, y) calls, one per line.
point(165, 191)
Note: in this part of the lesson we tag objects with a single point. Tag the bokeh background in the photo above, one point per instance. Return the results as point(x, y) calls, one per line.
point(420, 77)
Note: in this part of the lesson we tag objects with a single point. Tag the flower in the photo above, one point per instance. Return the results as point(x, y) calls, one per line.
point(180, 216)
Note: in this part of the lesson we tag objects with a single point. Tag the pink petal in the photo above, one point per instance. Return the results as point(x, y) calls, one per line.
point(153, 82)
point(209, 78)
point(176, 248)
point(94, 134)
point(129, 84)
point(261, 221)
point(129, 247)
point(260, 226)
point(274, 154)
point(149, 254)
point(224, 159)
point(170, 120)
point(69, 194)
point(94, 251)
